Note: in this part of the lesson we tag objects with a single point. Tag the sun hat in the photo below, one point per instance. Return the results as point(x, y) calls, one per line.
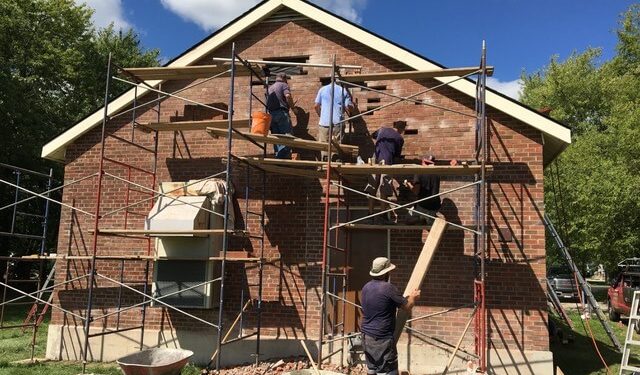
point(381, 266)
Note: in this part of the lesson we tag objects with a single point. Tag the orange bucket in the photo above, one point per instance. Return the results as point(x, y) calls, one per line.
point(260, 123)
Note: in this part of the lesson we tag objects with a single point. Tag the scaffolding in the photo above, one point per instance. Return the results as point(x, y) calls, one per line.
point(31, 251)
point(145, 139)
point(331, 279)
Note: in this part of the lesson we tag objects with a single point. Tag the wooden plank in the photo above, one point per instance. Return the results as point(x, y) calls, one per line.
point(159, 233)
point(300, 172)
point(420, 269)
point(366, 169)
point(441, 170)
point(197, 125)
point(287, 141)
point(183, 72)
point(295, 171)
point(291, 163)
point(412, 74)
point(386, 227)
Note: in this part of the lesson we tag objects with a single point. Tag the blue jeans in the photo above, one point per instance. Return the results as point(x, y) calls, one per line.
point(281, 124)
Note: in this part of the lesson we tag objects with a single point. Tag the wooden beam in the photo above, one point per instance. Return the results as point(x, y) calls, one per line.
point(357, 226)
point(196, 125)
point(284, 140)
point(184, 72)
point(309, 173)
point(290, 162)
point(441, 170)
point(160, 233)
point(420, 269)
point(288, 63)
point(412, 74)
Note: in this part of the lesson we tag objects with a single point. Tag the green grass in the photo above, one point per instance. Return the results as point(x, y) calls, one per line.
point(16, 345)
point(579, 357)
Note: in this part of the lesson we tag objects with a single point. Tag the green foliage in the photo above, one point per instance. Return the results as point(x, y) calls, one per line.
point(52, 74)
point(599, 172)
point(52, 71)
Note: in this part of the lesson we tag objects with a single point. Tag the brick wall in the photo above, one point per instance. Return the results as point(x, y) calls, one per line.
point(294, 207)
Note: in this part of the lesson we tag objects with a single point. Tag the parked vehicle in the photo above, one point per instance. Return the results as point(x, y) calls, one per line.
point(620, 293)
point(563, 283)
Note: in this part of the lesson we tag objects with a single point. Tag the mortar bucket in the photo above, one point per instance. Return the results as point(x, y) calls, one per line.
point(260, 123)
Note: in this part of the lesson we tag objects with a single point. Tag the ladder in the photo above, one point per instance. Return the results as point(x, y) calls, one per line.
point(33, 312)
point(629, 341)
point(584, 287)
point(557, 305)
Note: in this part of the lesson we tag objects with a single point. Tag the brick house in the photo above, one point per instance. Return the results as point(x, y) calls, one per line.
point(522, 142)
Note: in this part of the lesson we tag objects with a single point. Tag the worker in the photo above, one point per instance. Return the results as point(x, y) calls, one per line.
point(388, 148)
point(279, 101)
point(380, 299)
point(424, 186)
point(341, 104)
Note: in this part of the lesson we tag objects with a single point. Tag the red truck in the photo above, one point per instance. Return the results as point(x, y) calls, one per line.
point(620, 293)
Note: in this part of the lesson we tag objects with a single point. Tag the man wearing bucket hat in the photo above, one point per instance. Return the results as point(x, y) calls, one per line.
point(380, 299)
point(279, 100)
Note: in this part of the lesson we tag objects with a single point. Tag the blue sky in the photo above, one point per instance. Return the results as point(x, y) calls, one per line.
point(520, 34)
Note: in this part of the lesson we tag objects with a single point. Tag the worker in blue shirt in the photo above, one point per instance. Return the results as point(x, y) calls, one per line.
point(341, 104)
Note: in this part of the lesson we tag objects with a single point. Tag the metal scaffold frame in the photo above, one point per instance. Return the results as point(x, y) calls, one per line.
point(38, 309)
point(331, 280)
point(478, 316)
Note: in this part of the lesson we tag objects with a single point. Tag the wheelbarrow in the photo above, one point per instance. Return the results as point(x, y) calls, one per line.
point(158, 361)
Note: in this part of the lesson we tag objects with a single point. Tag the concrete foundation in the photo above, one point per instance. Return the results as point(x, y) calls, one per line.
point(65, 343)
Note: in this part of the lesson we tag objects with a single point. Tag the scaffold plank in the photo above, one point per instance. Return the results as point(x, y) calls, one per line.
point(184, 72)
point(413, 74)
point(161, 233)
point(290, 162)
point(396, 169)
point(196, 125)
point(285, 140)
point(356, 226)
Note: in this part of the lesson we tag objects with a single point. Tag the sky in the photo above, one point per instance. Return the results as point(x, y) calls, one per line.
point(521, 35)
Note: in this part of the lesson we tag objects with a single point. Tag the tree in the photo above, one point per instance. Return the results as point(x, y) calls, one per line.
point(597, 206)
point(52, 74)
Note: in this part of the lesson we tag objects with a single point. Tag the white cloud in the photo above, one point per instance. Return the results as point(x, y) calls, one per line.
point(509, 88)
point(209, 14)
point(349, 9)
point(106, 12)
point(212, 14)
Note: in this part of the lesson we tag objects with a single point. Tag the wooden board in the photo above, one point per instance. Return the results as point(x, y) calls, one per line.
point(289, 162)
point(441, 170)
point(412, 74)
point(386, 227)
point(197, 125)
point(310, 173)
point(183, 72)
point(160, 233)
point(420, 269)
point(366, 169)
point(291, 142)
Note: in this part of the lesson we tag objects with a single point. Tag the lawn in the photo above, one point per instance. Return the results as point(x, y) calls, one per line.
point(15, 346)
point(579, 357)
